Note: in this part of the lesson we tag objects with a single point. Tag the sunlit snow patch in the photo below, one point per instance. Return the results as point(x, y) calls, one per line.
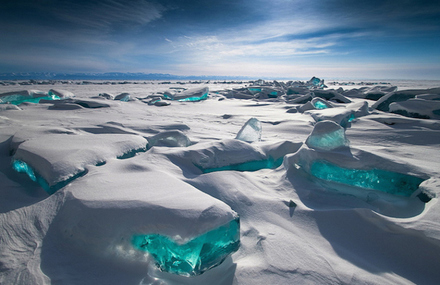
point(195, 256)
point(251, 131)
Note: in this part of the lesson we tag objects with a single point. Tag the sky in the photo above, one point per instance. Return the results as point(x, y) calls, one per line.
point(360, 39)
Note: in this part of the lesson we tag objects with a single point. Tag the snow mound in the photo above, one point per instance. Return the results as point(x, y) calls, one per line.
point(371, 93)
point(230, 154)
point(384, 102)
point(131, 199)
point(58, 157)
point(417, 108)
point(327, 158)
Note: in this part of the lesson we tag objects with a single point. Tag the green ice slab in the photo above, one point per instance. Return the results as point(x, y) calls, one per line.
point(376, 179)
point(18, 99)
point(248, 166)
point(320, 105)
point(195, 256)
point(254, 90)
point(351, 118)
point(195, 98)
point(23, 167)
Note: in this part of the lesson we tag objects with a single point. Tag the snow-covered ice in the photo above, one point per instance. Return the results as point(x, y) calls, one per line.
point(220, 183)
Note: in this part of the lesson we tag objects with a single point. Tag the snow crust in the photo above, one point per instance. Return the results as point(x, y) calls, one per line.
point(144, 165)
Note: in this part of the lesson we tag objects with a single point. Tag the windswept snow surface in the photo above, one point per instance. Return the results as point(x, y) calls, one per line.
point(124, 161)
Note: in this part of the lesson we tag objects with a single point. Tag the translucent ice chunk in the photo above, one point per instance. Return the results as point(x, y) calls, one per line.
point(174, 138)
point(320, 104)
point(327, 135)
point(251, 131)
point(315, 82)
point(195, 98)
point(376, 179)
point(195, 256)
point(124, 97)
point(193, 95)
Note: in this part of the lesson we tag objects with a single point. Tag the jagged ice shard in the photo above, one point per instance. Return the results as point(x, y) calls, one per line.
point(195, 256)
point(320, 104)
point(327, 135)
point(251, 131)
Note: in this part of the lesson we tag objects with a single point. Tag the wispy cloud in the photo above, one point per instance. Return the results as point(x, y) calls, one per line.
point(107, 13)
point(278, 45)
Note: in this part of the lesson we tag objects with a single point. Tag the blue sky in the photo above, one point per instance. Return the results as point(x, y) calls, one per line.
point(278, 38)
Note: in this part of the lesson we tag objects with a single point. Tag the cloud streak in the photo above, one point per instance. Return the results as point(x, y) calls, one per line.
point(108, 13)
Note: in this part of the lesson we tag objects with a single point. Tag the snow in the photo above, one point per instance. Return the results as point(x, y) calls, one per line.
point(176, 172)
point(417, 108)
